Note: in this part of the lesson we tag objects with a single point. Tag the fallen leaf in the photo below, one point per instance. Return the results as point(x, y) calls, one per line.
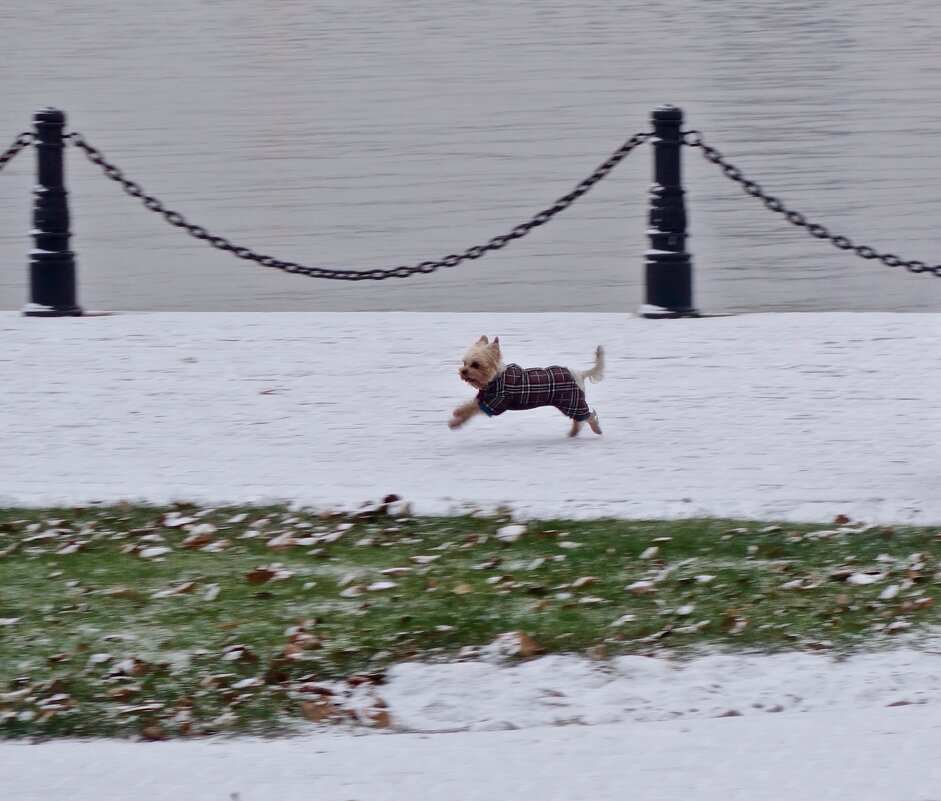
point(122, 592)
point(379, 586)
point(123, 693)
point(238, 653)
point(320, 710)
point(260, 575)
point(175, 520)
point(380, 719)
point(282, 542)
point(181, 589)
point(865, 578)
point(155, 552)
point(515, 643)
point(196, 541)
point(510, 533)
point(153, 733)
point(245, 684)
point(624, 619)
point(584, 581)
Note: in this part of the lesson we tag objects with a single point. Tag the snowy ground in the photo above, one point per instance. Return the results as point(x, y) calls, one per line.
point(800, 417)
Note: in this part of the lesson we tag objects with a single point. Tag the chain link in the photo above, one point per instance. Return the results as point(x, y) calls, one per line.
point(178, 220)
point(25, 139)
point(694, 139)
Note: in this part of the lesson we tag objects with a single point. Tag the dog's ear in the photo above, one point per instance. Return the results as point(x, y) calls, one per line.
point(496, 343)
point(483, 341)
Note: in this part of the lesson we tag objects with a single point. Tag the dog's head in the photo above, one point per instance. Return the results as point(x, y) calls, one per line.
point(482, 363)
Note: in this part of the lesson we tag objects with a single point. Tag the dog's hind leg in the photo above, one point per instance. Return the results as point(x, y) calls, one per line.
point(593, 423)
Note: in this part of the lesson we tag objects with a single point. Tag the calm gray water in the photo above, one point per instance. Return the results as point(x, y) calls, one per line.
point(373, 133)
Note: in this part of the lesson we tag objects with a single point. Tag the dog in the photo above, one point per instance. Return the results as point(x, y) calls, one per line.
point(503, 387)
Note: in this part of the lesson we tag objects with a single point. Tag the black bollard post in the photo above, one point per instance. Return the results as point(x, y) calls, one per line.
point(669, 269)
point(51, 263)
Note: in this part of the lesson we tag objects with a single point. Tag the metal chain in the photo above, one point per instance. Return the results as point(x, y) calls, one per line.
point(25, 139)
point(176, 219)
point(695, 139)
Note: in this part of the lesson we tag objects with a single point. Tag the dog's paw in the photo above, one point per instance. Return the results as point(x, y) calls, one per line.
point(593, 422)
point(454, 423)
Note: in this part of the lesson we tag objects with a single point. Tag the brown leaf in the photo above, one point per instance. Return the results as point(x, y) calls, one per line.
point(196, 541)
point(153, 733)
point(281, 542)
point(238, 653)
point(380, 719)
point(915, 604)
point(123, 693)
point(260, 575)
point(306, 642)
point(583, 581)
point(315, 689)
point(733, 621)
point(60, 657)
point(357, 679)
point(518, 643)
point(319, 710)
point(130, 667)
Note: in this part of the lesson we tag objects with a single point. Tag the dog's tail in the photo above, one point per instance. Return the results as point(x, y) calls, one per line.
point(594, 373)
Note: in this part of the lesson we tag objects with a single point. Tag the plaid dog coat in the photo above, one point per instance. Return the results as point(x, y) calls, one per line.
point(517, 388)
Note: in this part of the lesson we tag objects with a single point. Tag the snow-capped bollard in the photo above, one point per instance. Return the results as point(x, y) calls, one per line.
point(669, 271)
point(51, 263)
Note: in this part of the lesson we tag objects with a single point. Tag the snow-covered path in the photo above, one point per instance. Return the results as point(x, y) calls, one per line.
point(801, 416)
point(862, 755)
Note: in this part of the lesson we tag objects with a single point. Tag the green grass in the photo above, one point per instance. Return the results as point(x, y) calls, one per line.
point(252, 635)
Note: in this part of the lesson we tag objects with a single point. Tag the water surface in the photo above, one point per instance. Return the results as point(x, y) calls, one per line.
point(373, 133)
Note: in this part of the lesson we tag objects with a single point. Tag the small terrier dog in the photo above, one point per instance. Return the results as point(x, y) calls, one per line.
point(505, 387)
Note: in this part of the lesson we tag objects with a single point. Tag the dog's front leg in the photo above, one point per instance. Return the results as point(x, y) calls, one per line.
point(463, 413)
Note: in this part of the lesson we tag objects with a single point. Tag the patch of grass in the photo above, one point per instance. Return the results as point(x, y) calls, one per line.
point(179, 621)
